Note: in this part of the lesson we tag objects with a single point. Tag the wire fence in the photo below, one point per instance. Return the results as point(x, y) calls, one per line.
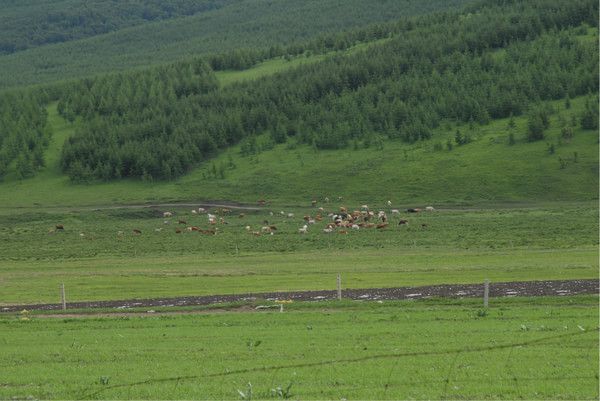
point(444, 380)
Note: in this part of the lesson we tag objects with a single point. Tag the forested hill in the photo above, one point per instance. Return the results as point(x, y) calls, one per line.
point(498, 59)
point(44, 41)
point(26, 24)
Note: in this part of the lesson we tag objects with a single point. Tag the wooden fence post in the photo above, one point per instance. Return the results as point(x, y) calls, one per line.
point(339, 287)
point(62, 296)
point(486, 293)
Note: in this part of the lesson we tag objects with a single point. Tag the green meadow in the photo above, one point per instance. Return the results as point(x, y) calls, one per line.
point(98, 256)
point(521, 348)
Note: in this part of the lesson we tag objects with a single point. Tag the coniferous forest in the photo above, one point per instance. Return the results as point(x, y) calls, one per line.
point(501, 58)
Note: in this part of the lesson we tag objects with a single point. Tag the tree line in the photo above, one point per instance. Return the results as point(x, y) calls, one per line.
point(24, 133)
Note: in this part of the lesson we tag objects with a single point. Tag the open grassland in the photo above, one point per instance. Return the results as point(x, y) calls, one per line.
point(542, 348)
point(96, 262)
point(485, 170)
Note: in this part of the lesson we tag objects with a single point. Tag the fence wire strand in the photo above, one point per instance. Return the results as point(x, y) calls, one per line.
point(457, 352)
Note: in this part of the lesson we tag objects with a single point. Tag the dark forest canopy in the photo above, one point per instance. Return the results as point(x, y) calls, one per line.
point(66, 39)
point(492, 62)
point(27, 24)
point(24, 134)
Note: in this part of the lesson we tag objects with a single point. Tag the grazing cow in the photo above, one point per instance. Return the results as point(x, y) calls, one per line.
point(306, 218)
point(248, 228)
point(136, 231)
point(212, 222)
point(395, 211)
point(413, 210)
point(194, 228)
point(194, 211)
point(355, 227)
point(403, 222)
point(182, 222)
point(429, 208)
point(311, 221)
point(273, 228)
point(241, 215)
point(167, 214)
point(201, 210)
point(59, 227)
point(303, 230)
point(177, 231)
point(290, 215)
point(382, 225)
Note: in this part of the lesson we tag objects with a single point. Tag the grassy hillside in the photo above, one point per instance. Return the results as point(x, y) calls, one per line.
point(231, 25)
point(487, 169)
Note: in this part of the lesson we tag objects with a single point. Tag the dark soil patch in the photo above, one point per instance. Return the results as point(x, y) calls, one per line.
point(508, 289)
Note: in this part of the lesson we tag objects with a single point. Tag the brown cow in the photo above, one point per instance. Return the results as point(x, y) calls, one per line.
point(136, 231)
point(59, 227)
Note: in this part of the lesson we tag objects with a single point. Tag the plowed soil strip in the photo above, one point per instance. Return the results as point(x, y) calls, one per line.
point(507, 289)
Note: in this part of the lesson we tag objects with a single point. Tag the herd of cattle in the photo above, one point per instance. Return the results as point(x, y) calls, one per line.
point(328, 222)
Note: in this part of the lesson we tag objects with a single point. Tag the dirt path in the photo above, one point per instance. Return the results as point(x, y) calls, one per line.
point(507, 289)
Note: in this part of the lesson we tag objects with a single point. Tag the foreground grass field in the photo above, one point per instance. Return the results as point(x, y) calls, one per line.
point(521, 348)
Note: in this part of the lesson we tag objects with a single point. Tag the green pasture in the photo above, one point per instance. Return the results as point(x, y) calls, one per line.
point(487, 170)
point(96, 262)
point(542, 348)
